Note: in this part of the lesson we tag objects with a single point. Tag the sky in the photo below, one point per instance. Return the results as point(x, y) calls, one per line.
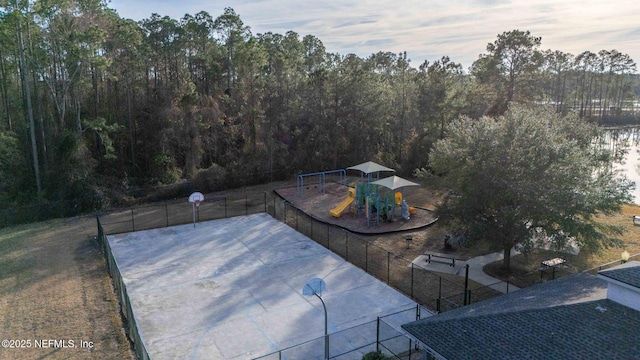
point(425, 29)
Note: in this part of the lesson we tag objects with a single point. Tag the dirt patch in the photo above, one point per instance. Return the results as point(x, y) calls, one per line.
point(56, 297)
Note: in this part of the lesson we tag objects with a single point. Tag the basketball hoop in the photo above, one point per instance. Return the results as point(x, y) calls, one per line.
point(195, 199)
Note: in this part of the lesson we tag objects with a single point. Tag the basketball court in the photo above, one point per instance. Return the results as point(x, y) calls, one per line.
point(232, 289)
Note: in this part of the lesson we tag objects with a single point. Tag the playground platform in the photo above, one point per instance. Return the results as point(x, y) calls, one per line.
point(317, 203)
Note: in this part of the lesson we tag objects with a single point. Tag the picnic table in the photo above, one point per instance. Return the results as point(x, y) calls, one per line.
point(448, 259)
point(553, 264)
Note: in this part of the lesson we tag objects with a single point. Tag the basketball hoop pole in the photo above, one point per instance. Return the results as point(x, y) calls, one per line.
point(316, 287)
point(195, 200)
point(194, 214)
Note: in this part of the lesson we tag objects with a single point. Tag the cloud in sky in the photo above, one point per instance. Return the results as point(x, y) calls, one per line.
point(427, 30)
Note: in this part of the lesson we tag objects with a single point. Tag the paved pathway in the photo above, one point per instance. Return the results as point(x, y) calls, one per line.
point(476, 272)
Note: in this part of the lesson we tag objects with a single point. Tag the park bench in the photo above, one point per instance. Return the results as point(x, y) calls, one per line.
point(442, 258)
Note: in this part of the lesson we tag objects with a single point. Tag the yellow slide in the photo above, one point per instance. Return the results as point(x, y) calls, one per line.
point(338, 210)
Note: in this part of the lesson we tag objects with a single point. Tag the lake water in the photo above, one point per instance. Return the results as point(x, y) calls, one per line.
point(631, 165)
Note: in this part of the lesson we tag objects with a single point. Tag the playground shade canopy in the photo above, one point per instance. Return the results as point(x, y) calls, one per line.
point(394, 182)
point(370, 167)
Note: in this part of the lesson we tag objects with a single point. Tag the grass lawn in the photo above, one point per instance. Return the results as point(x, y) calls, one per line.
point(525, 267)
point(56, 298)
point(54, 285)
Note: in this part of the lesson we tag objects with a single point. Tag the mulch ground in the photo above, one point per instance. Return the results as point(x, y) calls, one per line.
point(317, 203)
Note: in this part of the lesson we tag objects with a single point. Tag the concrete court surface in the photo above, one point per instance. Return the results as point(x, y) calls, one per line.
point(232, 289)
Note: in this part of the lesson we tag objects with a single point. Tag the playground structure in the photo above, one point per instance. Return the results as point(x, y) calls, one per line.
point(338, 210)
point(369, 168)
point(365, 196)
point(322, 179)
point(394, 183)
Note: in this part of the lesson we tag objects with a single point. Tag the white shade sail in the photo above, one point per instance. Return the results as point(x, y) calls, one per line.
point(370, 167)
point(394, 182)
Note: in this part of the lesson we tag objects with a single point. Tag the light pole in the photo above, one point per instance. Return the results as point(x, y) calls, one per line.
point(315, 287)
point(624, 257)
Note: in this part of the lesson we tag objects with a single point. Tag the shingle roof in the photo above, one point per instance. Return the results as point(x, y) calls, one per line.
point(569, 318)
point(628, 273)
point(600, 329)
point(566, 290)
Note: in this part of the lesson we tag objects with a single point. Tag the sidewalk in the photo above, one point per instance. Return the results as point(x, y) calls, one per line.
point(476, 272)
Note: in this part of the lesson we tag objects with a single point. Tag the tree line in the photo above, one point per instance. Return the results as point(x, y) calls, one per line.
point(93, 104)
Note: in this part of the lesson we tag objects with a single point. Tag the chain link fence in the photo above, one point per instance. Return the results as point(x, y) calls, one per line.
point(167, 214)
point(435, 292)
point(380, 335)
point(130, 325)
point(163, 215)
point(432, 290)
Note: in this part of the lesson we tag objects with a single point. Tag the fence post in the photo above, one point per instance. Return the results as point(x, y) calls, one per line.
point(265, 202)
point(246, 204)
point(166, 212)
point(412, 280)
point(311, 220)
point(133, 221)
point(346, 246)
point(225, 207)
point(388, 267)
point(328, 229)
point(378, 334)
point(100, 232)
point(410, 348)
point(366, 257)
point(466, 285)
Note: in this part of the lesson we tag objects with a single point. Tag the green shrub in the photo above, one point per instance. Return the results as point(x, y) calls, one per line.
point(210, 179)
point(374, 355)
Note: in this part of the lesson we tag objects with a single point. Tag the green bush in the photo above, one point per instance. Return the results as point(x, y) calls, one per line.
point(169, 173)
point(374, 355)
point(210, 179)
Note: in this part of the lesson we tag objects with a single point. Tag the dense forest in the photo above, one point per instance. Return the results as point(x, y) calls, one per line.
point(94, 106)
